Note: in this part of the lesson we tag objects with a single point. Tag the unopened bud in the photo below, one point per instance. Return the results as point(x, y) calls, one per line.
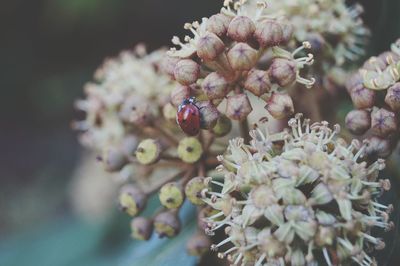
point(194, 188)
point(209, 46)
point(167, 224)
point(148, 151)
point(209, 114)
point(383, 122)
point(186, 72)
point(280, 105)
point(242, 57)
point(269, 33)
point(218, 24)
point(223, 126)
point(141, 228)
point(358, 121)
point(241, 28)
point(132, 200)
point(168, 64)
point(129, 145)
point(282, 71)
point(238, 107)
point(393, 97)
point(169, 112)
point(113, 159)
point(190, 150)
point(362, 97)
point(378, 147)
point(171, 195)
point(257, 82)
point(179, 94)
point(215, 86)
point(198, 244)
point(136, 110)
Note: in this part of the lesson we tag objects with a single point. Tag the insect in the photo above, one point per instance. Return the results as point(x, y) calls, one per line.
point(188, 117)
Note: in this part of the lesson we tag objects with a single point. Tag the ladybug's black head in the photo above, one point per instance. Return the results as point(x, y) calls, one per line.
point(189, 100)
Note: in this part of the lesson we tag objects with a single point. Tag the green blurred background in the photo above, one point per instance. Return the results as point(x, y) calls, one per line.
point(48, 50)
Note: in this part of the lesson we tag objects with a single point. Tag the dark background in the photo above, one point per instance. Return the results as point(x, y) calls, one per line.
point(48, 50)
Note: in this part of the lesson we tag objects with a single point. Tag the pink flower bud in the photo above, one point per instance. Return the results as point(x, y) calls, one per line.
point(269, 33)
point(238, 107)
point(209, 114)
point(209, 46)
point(378, 147)
point(218, 24)
point(282, 71)
point(168, 64)
point(393, 97)
point(242, 57)
point(383, 122)
point(280, 105)
point(215, 86)
point(179, 94)
point(186, 72)
point(358, 121)
point(362, 97)
point(257, 82)
point(241, 29)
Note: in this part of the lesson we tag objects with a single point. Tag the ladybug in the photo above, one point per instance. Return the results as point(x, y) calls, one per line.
point(188, 117)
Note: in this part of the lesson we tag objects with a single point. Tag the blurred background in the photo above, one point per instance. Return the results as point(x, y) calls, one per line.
point(48, 50)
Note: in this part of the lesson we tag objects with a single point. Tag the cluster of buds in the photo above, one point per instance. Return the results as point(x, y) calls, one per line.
point(130, 123)
point(223, 60)
point(299, 197)
point(375, 92)
point(335, 30)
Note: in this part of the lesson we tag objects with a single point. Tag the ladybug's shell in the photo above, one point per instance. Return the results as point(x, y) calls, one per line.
point(188, 118)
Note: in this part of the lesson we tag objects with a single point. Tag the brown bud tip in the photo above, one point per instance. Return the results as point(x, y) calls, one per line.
point(393, 97)
point(241, 29)
point(209, 114)
point(383, 122)
point(209, 46)
point(186, 72)
point(362, 97)
point(269, 33)
point(280, 105)
point(358, 121)
point(168, 64)
point(257, 82)
point(141, 228)
point(242, 57)
point(215, 86)
point(198, 244)
point(238, 107)
point(113, 159)
point(179, 94)
point(167, 224)
point(218, 24)
point(282, 71)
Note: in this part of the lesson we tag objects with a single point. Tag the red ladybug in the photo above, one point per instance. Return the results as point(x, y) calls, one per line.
point(188, 117)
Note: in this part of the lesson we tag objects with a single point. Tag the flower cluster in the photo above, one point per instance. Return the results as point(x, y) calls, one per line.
point(333, 29)
point(375, 92)
point(223, 59)
point(299, 197)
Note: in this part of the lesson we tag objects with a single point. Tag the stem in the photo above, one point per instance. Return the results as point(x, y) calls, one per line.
point(244, 130)
point(166, 134)
point(156, 187)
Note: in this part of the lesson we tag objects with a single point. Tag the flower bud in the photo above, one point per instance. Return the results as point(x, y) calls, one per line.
point(282, 71)
point(167, 224)
point(141, 228)
point(238, 107)
point(194, 188)
point(113, 159)
point(222, 127)
point(378, 147)
point(136, 110)
point(280, 105)
point(383, 122)
point(132, 200)
point(171, 195)
point(169, 112)
point(190, 150)
point(269, 33)
point(257, 82)
point(186, 72)
point(241, 29)
point(242, 57)
point(355, 80)
point(215, 86)
point(362, 97)
point(129, 145)
point(218, 24)
point(168, 64)
point(179, 94)
point(198, 244)
point(208, 114)
point(287, 31)
point(393, 97)
point(375, 63)
point(148, 151)
point(209, 46)
point(358, 121)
